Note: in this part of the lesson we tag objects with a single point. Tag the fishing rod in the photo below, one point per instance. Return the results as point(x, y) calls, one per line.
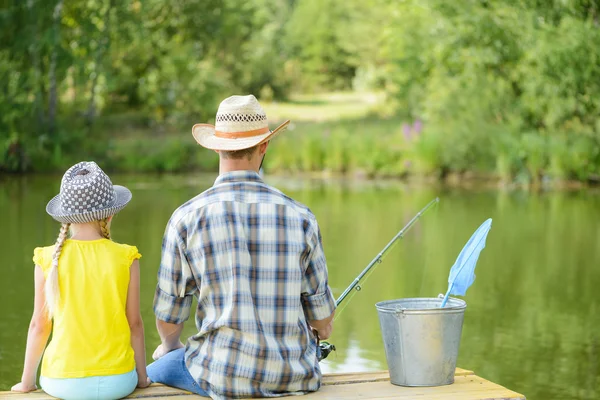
point(326, 347)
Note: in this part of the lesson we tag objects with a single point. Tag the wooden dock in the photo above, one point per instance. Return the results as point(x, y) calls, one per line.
point(360, 385)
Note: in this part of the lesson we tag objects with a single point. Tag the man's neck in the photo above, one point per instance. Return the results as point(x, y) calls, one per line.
point(236, 165)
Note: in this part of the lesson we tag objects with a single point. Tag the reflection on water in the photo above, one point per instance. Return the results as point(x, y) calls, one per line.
point(533, 314)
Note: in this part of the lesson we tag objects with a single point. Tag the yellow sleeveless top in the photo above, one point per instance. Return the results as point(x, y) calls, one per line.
point(90, 335)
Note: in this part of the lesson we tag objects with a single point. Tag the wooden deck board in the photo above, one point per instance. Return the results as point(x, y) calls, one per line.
point(357, 385)
point(468, 387)
point(377, 376)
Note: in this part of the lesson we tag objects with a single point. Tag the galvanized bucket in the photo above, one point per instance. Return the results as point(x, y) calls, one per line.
point(421, 339)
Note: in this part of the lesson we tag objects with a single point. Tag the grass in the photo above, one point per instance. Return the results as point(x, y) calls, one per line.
point(325, 134)
point(324, 107)
point(346, 134)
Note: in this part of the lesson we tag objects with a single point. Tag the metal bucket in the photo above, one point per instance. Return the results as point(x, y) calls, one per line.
point(421, 339)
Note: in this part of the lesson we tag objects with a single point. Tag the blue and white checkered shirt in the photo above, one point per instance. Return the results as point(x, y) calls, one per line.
point(253, 257)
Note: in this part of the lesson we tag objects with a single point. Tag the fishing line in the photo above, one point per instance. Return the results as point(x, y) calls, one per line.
point(365, 278)
point(357, 289)
point(428, 257)
point(326, 348)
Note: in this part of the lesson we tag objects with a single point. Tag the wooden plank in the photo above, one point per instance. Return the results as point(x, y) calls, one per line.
point(183, 396)
point(376, 376)
point(37, 395)
point(371, 385)
point(463, 372)
point(160, 391)
point(154, 391)
point(468, 387)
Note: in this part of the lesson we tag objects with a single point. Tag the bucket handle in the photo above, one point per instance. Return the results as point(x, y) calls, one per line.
point(400, 310)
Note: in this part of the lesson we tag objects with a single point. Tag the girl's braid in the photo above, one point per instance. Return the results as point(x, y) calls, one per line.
point(104, 228)
point(52, 289)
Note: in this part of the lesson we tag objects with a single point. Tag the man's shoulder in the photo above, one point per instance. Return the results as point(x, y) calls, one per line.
point(260, 193)
point(297, 206)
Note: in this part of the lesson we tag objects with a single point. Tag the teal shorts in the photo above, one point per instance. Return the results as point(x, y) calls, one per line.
point(91, 388)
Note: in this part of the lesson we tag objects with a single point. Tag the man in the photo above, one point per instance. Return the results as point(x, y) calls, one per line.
point(253, 258)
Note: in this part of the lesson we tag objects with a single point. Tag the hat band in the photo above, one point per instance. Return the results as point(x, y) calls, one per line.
point(239, 135)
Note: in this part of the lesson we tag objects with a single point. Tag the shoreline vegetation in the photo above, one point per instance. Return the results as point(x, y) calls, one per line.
point(332, 136)
point(503, 91)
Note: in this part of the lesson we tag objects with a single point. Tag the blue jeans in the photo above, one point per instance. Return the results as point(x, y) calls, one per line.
point(171, 370)
point(91, 388)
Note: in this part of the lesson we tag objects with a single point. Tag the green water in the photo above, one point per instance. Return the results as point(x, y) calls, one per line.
point(533, 313)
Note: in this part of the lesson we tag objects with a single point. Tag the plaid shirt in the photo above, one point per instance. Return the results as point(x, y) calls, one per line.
point(253, 257)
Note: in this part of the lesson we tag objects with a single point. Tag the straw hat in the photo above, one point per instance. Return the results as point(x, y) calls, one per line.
point(86, 195)
point(241, 123)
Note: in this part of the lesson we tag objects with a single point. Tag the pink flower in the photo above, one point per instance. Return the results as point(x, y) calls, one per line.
point(406, 131)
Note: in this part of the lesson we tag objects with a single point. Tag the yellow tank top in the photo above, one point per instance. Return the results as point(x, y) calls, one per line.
point(90, 335)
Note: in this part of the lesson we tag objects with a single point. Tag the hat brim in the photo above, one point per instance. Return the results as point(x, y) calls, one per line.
point(205, 136)
point(55, 210)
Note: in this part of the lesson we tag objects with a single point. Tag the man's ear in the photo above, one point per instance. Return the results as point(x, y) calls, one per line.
point(262, 148)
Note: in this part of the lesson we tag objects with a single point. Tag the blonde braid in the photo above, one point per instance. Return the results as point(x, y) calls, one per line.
point(104, 228)
point(52, 288)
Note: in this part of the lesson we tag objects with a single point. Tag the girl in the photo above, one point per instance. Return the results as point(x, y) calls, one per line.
point(89, 287)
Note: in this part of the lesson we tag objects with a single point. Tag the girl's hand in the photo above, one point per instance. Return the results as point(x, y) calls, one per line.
point(144, 383)
point(23, 388)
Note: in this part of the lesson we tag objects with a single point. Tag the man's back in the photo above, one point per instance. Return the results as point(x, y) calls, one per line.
point(253, 256)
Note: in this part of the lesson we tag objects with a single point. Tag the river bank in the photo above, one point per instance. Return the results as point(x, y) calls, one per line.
point(342, 134)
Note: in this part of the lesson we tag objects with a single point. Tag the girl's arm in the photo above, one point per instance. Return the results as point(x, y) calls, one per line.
point(136, 325)
point(37, 337)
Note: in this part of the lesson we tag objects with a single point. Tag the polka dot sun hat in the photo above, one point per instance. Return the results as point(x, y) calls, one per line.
point(87, 194)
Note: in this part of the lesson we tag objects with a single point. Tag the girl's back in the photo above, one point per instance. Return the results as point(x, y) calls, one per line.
point(87, 294)
point(91, 334)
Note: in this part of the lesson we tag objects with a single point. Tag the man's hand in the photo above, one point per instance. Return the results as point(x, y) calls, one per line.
point(161, 350)
point(23, 387)
point(325, 332)
point(324, 327)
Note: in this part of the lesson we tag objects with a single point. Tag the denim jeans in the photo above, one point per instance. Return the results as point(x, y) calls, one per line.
point(171, 370)
point(91, 388)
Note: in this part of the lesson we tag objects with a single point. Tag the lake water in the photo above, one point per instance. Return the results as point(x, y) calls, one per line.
point(533, 317)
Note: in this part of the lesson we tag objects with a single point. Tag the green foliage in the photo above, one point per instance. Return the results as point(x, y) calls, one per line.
point(500, 85)
point(311, 153)
point(160, 154)
point(362, 147)
point(337, 153)
point(316, 44)
point(505, 87)
point(64, 64)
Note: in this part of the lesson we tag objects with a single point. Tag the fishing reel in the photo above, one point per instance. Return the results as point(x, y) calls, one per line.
point(323, 350)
